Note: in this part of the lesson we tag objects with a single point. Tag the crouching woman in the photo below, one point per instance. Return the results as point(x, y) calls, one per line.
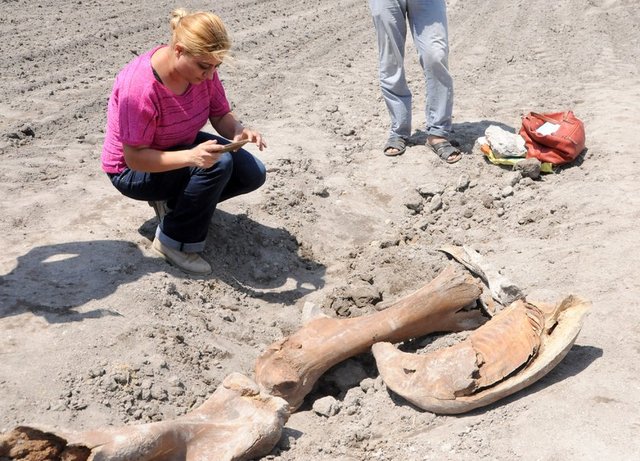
point(154, 149)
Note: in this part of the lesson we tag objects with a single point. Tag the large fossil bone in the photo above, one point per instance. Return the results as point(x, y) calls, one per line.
point(290, 367)
point(514, 349)
point(237, 422)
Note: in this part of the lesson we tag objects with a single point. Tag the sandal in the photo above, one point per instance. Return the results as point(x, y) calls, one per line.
point(396, 145)
point(446, 151)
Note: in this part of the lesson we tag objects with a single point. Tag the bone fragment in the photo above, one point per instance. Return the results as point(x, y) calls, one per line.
point(237, 422)
point(502, 289)
point(513, 350)
point(311, 311)
point(290, 367)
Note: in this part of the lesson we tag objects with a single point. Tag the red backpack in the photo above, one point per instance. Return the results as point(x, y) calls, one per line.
point(557, 138)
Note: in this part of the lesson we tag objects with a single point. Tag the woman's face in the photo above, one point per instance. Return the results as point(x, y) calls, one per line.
point(196, 69)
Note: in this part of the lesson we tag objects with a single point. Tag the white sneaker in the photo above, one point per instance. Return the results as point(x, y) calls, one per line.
point(191, 263)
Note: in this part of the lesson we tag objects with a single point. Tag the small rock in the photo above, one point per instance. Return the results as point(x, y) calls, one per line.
point(352, 401)
point(97, 372)
point(429, 190)
point(228, 316)
point(320, 191)
point(349, 132)
point(341, 307)
point(463, 182)
point(487, 200)
point(158, 393)
point(530, 216)
point(435, 204)
point(326, 406)
point(526, 182)
point(514, 178)
point(78, 405)
point(285, 443)
point(415, 207)
point(367, 384)
point(457, 237)
point(364, 294)
point(177, 391)
point(362, 434)
point(390, 242)
point(352, 410)
point(507, 191)
point(423, 225)
point(347, 375)
point(528, 168)
point(120, 378)
point(171, 289)
point(28, 131)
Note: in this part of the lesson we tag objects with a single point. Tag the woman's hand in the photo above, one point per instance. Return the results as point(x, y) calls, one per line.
point(204, 155)
point(231, 128)
point(252, 136)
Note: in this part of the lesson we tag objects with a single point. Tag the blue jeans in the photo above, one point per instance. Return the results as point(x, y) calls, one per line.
point(192, 194)
point(427, 20)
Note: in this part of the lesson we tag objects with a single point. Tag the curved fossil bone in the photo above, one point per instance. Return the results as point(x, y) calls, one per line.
point(290, 367)
point(237, 422)
point(502, 289)
point(513, 350)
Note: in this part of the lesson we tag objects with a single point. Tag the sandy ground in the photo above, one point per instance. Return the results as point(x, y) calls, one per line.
point(94, 330)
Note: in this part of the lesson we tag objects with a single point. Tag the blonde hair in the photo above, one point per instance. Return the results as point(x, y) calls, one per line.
point(201, 33)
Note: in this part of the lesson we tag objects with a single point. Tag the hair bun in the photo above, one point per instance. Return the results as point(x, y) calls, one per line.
point(177, 15)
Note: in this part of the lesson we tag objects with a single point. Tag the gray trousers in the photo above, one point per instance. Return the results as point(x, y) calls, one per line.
point(427, 20)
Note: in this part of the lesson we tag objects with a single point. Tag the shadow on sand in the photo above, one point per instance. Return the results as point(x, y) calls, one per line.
point(52, 281)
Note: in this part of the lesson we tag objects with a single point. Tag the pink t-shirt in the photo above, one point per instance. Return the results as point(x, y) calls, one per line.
point(143, 112)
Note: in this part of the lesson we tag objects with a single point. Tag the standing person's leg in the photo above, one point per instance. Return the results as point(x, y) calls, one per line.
point(389, 20)
point(428, 23)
